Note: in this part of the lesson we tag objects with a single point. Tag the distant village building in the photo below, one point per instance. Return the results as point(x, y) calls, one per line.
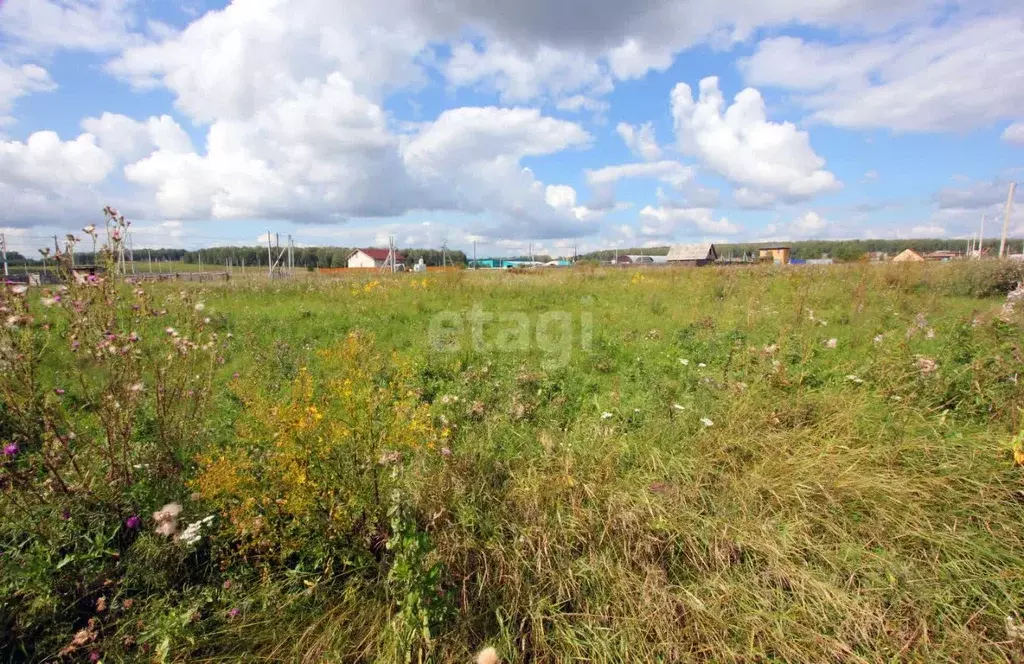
point(908, 256)
point(692, 254)
point(941, 256)
point(648, 260)
point(371, 258)
point(877, 256)
point(777, 255)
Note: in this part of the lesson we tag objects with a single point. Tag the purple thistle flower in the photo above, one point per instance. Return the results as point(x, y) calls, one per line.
point(94, 656)
point(65, 514)
point(446, 452)
point(234, 612)
point(75, 345)
point(133, 522)
point(58, 391)
point(10, 449)
point(235, 375)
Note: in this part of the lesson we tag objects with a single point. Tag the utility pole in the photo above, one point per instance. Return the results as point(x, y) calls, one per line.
point(149, 255)
point(3, 253)
point(200, 261)
point(981, 237)
point(475, 264)
point(1006, 218)
point(270, 252)
point(131, 252)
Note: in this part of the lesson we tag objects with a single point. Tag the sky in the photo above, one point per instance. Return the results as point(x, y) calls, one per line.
point(556, 124)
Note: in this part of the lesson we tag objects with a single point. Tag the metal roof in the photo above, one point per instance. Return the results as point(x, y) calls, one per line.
point(701, 251)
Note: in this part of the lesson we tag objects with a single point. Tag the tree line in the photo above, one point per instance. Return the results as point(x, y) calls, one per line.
point(841, 250)
point(304, 257)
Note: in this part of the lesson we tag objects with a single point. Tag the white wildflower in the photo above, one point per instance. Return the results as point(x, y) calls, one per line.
point(832, 343)
point(606, 415)
point(706, 421)
point(879, 338)
point(854, 379)
point(701, 365)
point(930, 334)
point(678, 407)
point(926, 365)
point(167, 519)
point(19, 289)
point(684, 362)
point(200, 306)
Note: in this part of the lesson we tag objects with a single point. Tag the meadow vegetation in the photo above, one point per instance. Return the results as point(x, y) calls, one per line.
point(723, 464)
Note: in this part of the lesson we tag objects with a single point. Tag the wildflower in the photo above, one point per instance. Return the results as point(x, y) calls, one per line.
point(606, 416)
point(226, 585)
point(926, 365)
point(65, 514)
point(701, 365)
point(832, 343)
point(167, 519)
point(10, 449)
point(133, 337)
point(446, 452)
point(449, 398)
point(487, 656)
point(770, 350)
point(200, 306)
point(1014, 629)
point(94, 656)
point(171, 331)
point(879, 338)
point(75, 345)
point(20, 289)
point(127, 604)
point(101, 605)
point(854, 379)
point(49, 301)
point(136, 388)
point(235, 375)
point(133, 522)
point(684, 362)
point(706, 421)
point(930, 334)
point(234, 612)
point(678, 407)
point(390, 457)
point(58, 391)
point(90, 229)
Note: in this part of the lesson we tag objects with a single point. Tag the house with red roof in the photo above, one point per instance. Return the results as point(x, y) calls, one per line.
point(371, 258)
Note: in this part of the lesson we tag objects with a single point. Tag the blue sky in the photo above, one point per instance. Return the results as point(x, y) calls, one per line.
point(581, 123)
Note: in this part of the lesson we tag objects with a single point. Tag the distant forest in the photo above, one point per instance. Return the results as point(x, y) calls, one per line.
point(841, 250)
point(305, 257)
point(313, 257)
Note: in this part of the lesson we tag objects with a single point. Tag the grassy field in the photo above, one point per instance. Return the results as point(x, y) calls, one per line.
point(748, 464)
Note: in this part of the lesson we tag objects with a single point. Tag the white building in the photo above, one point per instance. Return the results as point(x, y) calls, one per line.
point(371, 258)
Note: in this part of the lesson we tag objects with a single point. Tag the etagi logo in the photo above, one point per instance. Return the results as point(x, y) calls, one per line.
point(554, 333)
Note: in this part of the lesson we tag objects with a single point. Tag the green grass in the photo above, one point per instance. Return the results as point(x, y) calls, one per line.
point(846, 504)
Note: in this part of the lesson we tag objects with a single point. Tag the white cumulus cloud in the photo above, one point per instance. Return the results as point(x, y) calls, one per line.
point(640, 140)
point(742, 145)
point(963, 74)
point(1014, 133)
